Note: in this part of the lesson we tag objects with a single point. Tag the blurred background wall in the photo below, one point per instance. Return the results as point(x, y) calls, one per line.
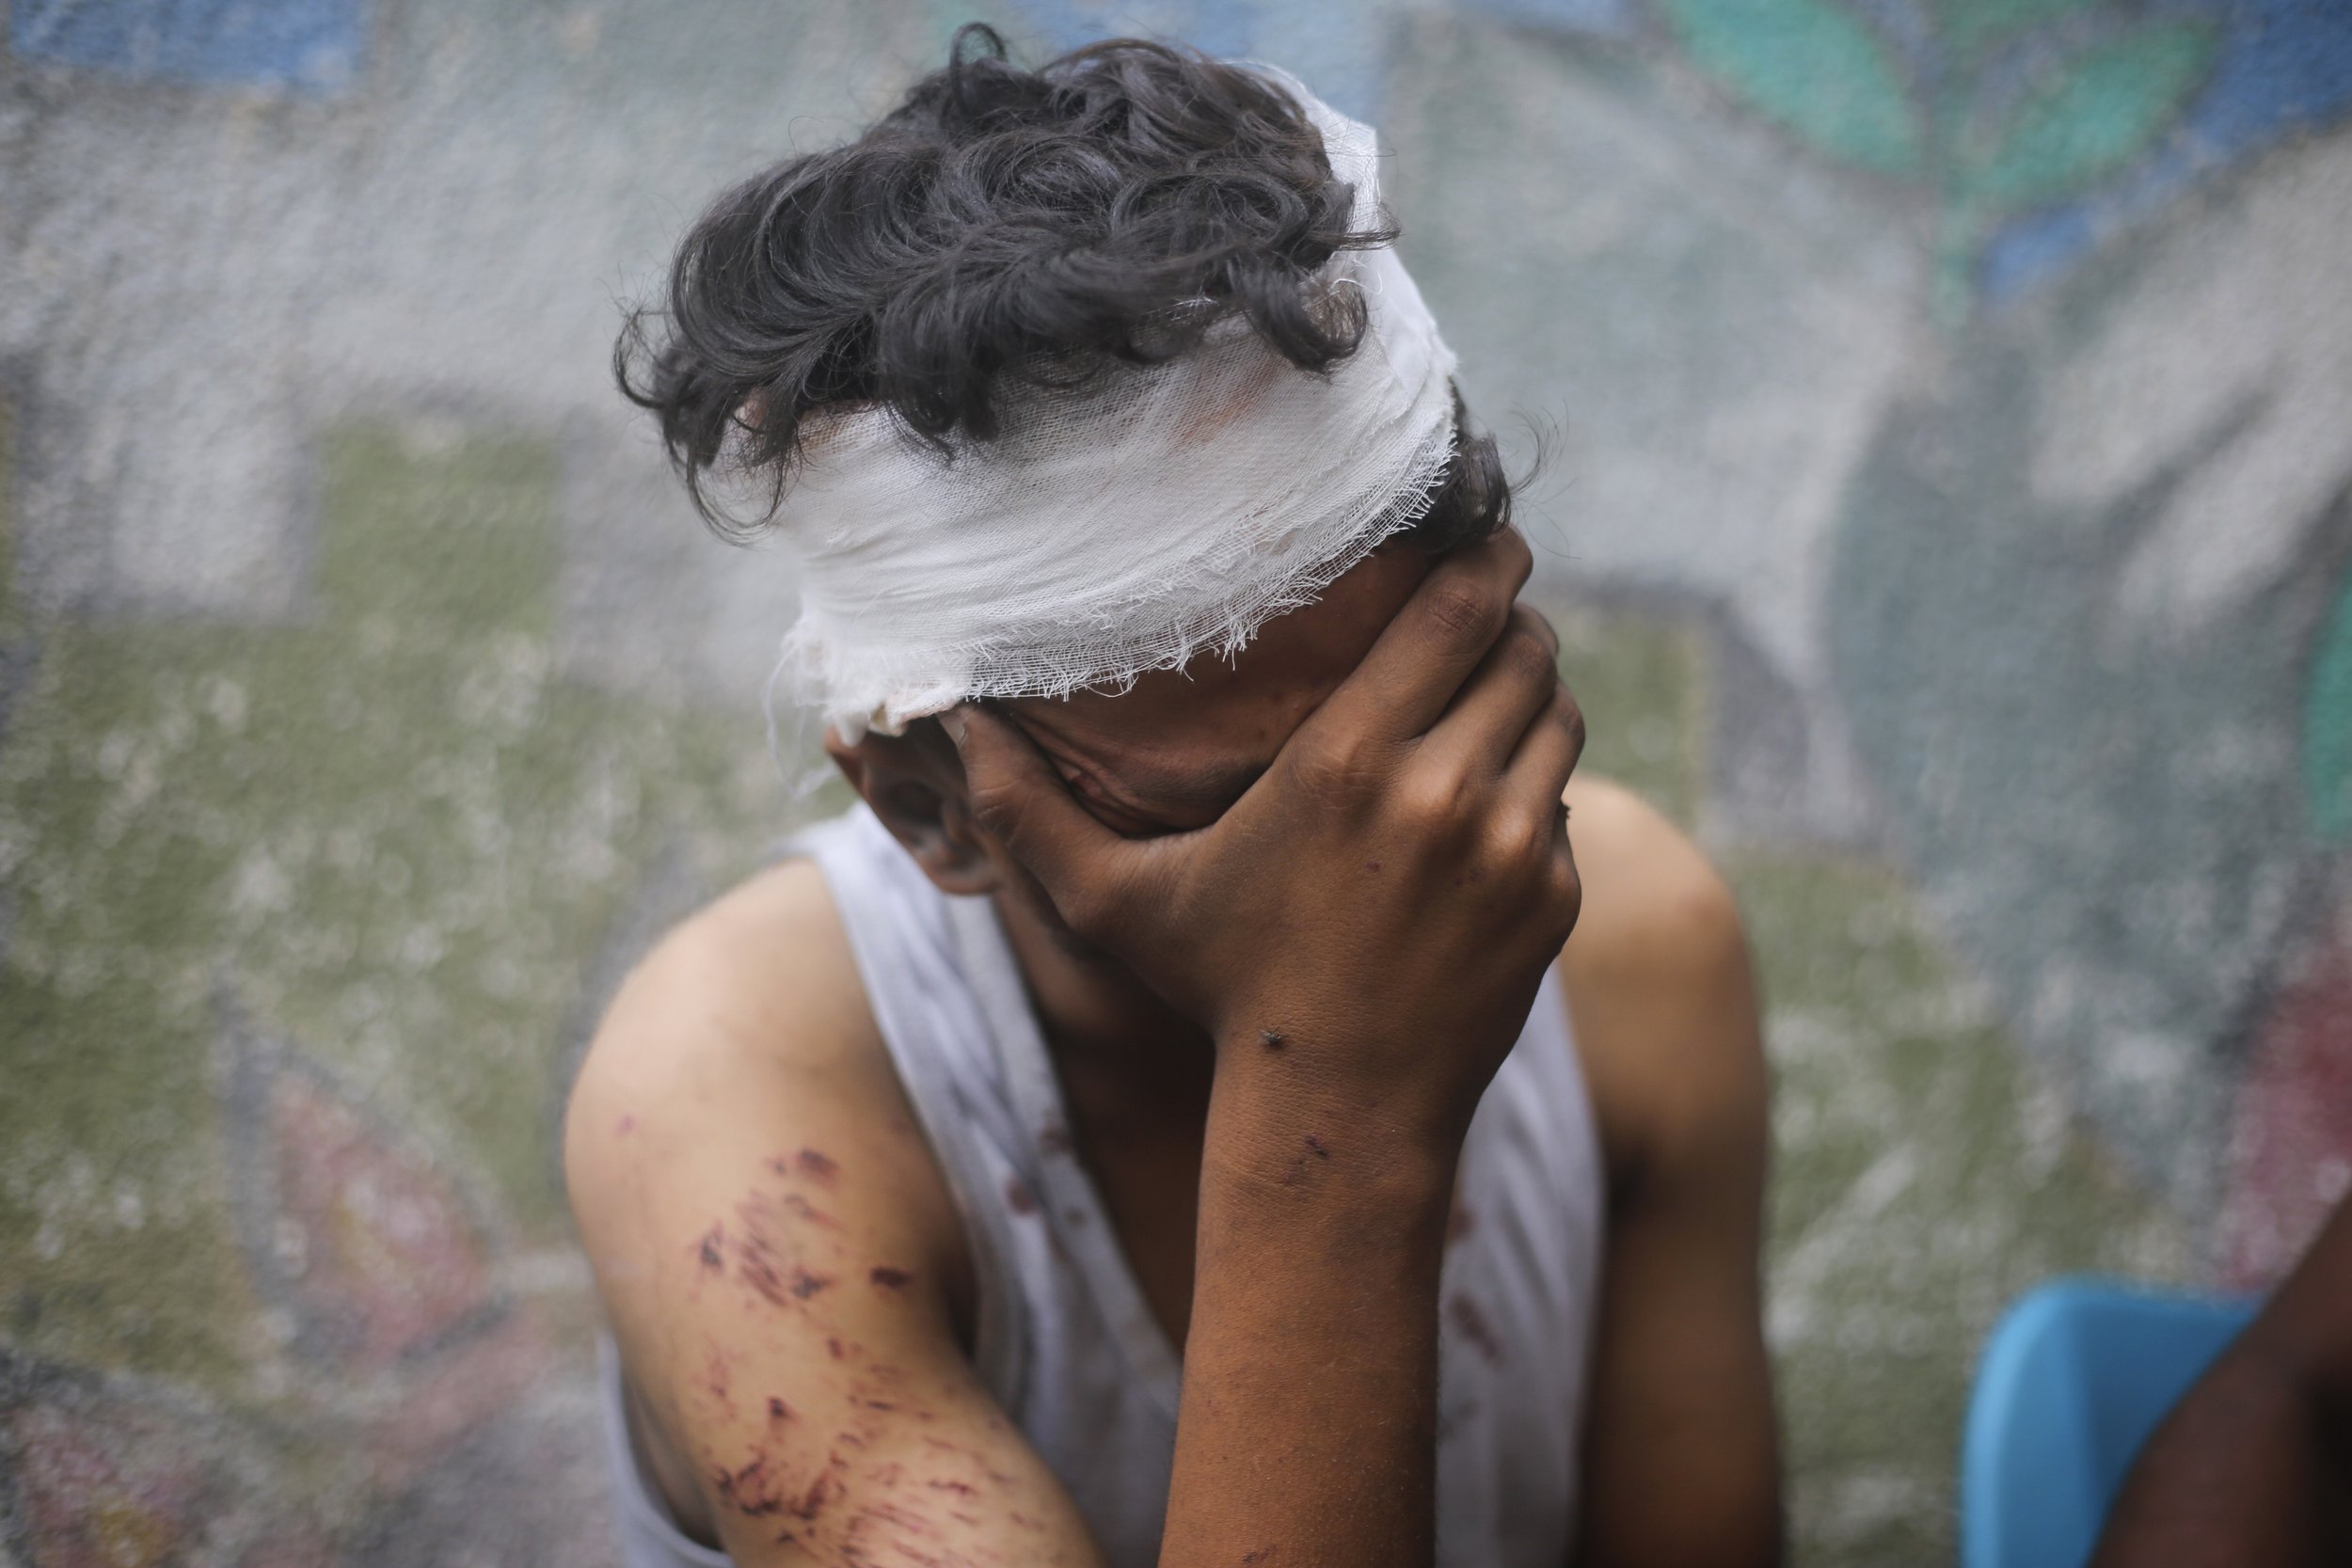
point(1949, 417)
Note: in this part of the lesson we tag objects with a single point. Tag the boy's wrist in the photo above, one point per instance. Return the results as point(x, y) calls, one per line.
point(1302, 1148)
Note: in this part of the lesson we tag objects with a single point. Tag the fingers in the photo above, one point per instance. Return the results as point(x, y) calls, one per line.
point(1514, 683)
point(1433, 645)
point(1018, 797)
point(1545, 755)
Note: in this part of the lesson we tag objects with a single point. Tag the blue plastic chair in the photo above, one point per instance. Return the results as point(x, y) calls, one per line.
point(2074, 1377)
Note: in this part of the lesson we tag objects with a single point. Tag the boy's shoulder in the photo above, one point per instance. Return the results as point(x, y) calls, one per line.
point(757, 983)
point(1660, 984)
point(743, 1037)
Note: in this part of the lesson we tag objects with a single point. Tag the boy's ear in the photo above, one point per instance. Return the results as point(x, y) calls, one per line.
point(914, 783)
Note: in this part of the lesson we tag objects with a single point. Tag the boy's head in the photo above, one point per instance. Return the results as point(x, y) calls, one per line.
point(1054, 380)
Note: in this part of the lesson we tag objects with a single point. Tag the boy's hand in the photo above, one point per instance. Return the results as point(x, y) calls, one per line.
point(1372, 918)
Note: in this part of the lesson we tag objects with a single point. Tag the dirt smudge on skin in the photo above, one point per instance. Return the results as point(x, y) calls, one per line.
point(1314, 1147)
point(1471, 1319)
point(890, 1279)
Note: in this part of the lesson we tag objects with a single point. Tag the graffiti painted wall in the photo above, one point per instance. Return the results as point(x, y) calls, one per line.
point(1946, 501)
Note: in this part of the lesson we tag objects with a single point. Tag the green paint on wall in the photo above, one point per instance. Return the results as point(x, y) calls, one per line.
point(2328, 727)
point(1920, 1180)
point(394, 837)
point(1814, 67)
point(1976, 27)
point(1641, 681)
point(2087, 117)
point(12, 624)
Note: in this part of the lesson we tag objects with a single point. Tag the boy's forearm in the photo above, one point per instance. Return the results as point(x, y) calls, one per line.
point(1307, 1429)
point(2254, 1467)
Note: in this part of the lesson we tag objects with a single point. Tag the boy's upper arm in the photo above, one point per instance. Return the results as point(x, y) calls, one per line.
point(1681, 1455)
point(779, 1257)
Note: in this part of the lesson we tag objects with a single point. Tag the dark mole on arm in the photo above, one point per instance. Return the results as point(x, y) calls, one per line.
point(890, 1279)
point(1272, 1040)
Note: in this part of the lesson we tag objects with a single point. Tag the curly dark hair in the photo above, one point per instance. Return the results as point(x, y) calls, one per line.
point(1003, 227)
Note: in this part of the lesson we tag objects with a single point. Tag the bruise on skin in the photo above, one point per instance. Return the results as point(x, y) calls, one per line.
point(1018, 1198)
point(1300, 1164)
point(817, 1165)
point(759, 1261)
point(760, 1274)
point(801, 1207)
point(750, 1490)
point(717, 1380)
point(778, 1410)
point(1471, 1321)
point(711, 1249)
point(626, 1125)
point(890, 1279)
point(821, 1491)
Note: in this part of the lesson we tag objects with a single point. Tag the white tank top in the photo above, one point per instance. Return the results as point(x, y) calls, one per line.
point(1065, 1340)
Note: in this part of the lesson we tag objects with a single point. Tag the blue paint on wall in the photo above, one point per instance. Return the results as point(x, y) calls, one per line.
point(1608, 18)
point(308, 45)
point(1334, 46)
point(2285, 66)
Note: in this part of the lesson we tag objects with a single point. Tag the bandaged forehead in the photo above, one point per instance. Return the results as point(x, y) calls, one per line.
point(1128, 524)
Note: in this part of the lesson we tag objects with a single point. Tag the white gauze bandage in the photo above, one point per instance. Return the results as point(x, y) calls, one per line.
point(1145, 517)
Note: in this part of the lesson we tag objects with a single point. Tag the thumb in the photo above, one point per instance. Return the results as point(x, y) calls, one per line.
point(1017, 796)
